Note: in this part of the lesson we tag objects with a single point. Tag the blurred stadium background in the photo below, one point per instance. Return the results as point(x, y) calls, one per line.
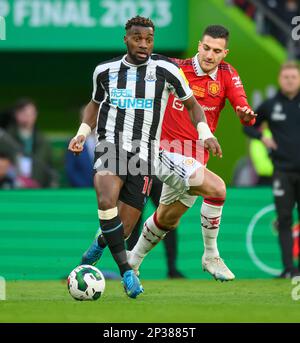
point(49, 54)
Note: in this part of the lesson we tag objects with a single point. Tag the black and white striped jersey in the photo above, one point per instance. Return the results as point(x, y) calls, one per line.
point(133, 99)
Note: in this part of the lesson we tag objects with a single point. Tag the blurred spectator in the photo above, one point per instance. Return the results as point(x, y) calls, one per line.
point(9, 145)
point(7, 178)
point(284, 10)
point(257, 169)
point(79, 168)
point(246, 6)
point(10, 151)
point(6, 118)
point(35, 160)
point(244, 174)
point(282, 116)
point(261, 160)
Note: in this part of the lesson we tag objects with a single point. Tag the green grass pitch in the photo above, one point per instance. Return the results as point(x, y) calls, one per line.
point(194, 301)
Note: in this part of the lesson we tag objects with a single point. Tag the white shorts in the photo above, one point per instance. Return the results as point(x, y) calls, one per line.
point(174, 170)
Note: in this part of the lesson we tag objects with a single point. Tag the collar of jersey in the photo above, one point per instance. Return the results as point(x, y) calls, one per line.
point(135, 65)
point(200, 72)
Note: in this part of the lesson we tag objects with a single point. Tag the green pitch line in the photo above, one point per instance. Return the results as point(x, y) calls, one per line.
point(163, 301)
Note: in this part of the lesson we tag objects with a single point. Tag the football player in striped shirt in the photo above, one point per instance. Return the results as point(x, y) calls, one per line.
point(130, 95)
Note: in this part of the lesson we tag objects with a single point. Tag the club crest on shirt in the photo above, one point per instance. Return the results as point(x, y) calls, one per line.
point(214, 88)
point(189, 162)
point(150, 77)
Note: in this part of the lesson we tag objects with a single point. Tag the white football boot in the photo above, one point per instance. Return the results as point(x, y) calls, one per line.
point(217, 268)
point(134, 261)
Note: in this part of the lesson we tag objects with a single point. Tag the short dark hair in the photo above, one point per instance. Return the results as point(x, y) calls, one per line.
point(6, 156)
point(216, 31)
point(22, 103)
point(139, 21)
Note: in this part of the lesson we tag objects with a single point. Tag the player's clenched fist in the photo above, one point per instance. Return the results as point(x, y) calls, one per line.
point(76, 144)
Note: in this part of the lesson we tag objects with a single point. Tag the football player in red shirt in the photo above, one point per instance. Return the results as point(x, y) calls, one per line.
point(183, 159)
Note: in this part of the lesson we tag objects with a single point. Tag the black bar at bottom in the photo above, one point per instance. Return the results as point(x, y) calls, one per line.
point(148, 332)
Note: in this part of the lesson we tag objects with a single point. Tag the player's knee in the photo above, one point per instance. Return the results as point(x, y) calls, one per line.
point(169, 224)
point(167, 220)
point(220, 190)
point(106, 203)
point(216, 189)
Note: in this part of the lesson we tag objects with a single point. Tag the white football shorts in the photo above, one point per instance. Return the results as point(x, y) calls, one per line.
point(174, 170)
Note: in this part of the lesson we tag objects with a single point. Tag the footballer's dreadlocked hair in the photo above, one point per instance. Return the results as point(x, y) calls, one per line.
point(139, 21)
point(216, 31)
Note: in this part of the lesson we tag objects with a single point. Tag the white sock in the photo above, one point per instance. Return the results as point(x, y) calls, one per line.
point(210, 222)
point(149, 237)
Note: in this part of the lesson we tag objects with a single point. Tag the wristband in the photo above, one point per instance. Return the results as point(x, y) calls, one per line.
point(204, 131)
point(84, 130)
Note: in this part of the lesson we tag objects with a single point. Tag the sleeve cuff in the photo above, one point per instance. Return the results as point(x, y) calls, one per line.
point(248, 123)
point(189, 95)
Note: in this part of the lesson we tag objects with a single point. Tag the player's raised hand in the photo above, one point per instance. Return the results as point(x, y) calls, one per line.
point(76, 144)
point(213, 146)
point(245, 113)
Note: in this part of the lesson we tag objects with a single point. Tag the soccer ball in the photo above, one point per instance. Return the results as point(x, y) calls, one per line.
point(86, 282)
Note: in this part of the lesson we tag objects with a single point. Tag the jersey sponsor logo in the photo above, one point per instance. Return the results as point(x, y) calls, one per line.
point(206, 108)
point(132, 103)
point(122, 98)
point(214, 88)
point(177, 104)
point(120, 93)
point(150, 77)
point(198, 91)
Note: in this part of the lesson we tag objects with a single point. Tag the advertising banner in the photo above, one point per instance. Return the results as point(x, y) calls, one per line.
point(35, 244)
point(87, 24)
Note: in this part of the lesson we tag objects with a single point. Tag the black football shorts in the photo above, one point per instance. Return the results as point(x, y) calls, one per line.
point(134, 172)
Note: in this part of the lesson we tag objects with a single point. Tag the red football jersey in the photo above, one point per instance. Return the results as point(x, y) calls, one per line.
point(211, 92)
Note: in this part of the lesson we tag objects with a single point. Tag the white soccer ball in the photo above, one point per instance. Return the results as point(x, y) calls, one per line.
point(86, 282)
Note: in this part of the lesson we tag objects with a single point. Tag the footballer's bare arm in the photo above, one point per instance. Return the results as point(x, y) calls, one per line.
point(89, 121)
